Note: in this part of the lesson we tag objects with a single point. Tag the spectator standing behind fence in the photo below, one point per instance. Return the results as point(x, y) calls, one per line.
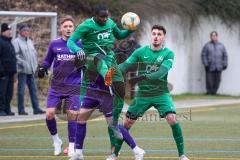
point(7, 69)
point(215, 60)
point(26, 66)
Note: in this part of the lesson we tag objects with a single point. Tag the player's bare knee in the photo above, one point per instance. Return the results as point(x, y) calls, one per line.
point(81, 120)
point(72, 115)
point(50, 114)
point(108, 119)
point(130, 119)
point(83, 115)
point(171, 118)
point(128, 123)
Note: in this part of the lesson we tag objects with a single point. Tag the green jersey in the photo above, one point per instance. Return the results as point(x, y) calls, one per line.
point(96, 38)
point(150, 63)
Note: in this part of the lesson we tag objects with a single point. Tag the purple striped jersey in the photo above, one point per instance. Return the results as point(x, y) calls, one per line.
point(65, 77)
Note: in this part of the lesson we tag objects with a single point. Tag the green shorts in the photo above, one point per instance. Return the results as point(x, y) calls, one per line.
point(163, 104)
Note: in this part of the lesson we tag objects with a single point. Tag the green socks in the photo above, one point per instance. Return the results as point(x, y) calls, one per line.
point(178, 137)
point(111, 136)
point(118, 146)
point(116, 143)
point(118, 103)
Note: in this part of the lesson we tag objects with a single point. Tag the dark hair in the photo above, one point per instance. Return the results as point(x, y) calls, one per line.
point(214, 32)
point(100, 7)
point(67, 18)
point(159, 27)
point(23, 25)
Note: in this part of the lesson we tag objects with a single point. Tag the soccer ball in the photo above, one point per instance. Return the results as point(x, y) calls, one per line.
point(130, 21)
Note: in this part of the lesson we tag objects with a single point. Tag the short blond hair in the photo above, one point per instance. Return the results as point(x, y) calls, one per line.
point(67, 18)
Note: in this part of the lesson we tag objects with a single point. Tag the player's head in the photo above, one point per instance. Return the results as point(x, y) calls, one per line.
point(6, 30)
point(101, 14)
point(67, 27)
point(24, 30)
point(214, 36)
point(158, 35)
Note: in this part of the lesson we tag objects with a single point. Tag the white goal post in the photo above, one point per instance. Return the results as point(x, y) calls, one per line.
point(52, 15)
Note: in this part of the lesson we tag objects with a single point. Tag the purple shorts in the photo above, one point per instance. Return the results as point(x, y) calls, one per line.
point(101, 99)
point(55, 99)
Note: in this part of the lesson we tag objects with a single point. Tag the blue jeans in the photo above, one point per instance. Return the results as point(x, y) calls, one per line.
point(28, 79)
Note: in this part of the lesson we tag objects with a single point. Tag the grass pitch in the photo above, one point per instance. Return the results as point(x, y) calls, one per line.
point(211, 133)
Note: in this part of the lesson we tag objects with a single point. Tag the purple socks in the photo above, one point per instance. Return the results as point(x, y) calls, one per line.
point(80, 135)
point(52, 126)
point(72, 131)
point(127, 137)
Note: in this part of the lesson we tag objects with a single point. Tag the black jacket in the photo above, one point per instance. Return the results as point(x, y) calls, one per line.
point(7, 57)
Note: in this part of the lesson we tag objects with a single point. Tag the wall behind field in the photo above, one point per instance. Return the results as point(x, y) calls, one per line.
point(188, 75)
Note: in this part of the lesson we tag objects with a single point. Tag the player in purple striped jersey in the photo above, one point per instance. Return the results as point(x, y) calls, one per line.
point(65, 84)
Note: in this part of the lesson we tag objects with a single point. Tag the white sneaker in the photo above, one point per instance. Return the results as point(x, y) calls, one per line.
point(77, 156)
point(183, 157)
point(139, 154)
point(57, 147)
point(112, 157)
point(70, 152)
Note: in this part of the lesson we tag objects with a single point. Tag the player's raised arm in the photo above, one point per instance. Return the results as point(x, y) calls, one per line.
point(133, 59)
point(75, 37)
point(121, 34)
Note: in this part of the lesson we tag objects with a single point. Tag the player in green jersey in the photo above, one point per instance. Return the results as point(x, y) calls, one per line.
point(97, 35)
point(154, 62)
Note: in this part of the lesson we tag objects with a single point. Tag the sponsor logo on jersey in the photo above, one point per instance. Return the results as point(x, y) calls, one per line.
point(65, 57)
point(104, 35)
point(151, 68)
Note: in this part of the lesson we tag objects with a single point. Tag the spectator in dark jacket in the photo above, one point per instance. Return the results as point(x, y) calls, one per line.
point(7, 70)
point(215, 60)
